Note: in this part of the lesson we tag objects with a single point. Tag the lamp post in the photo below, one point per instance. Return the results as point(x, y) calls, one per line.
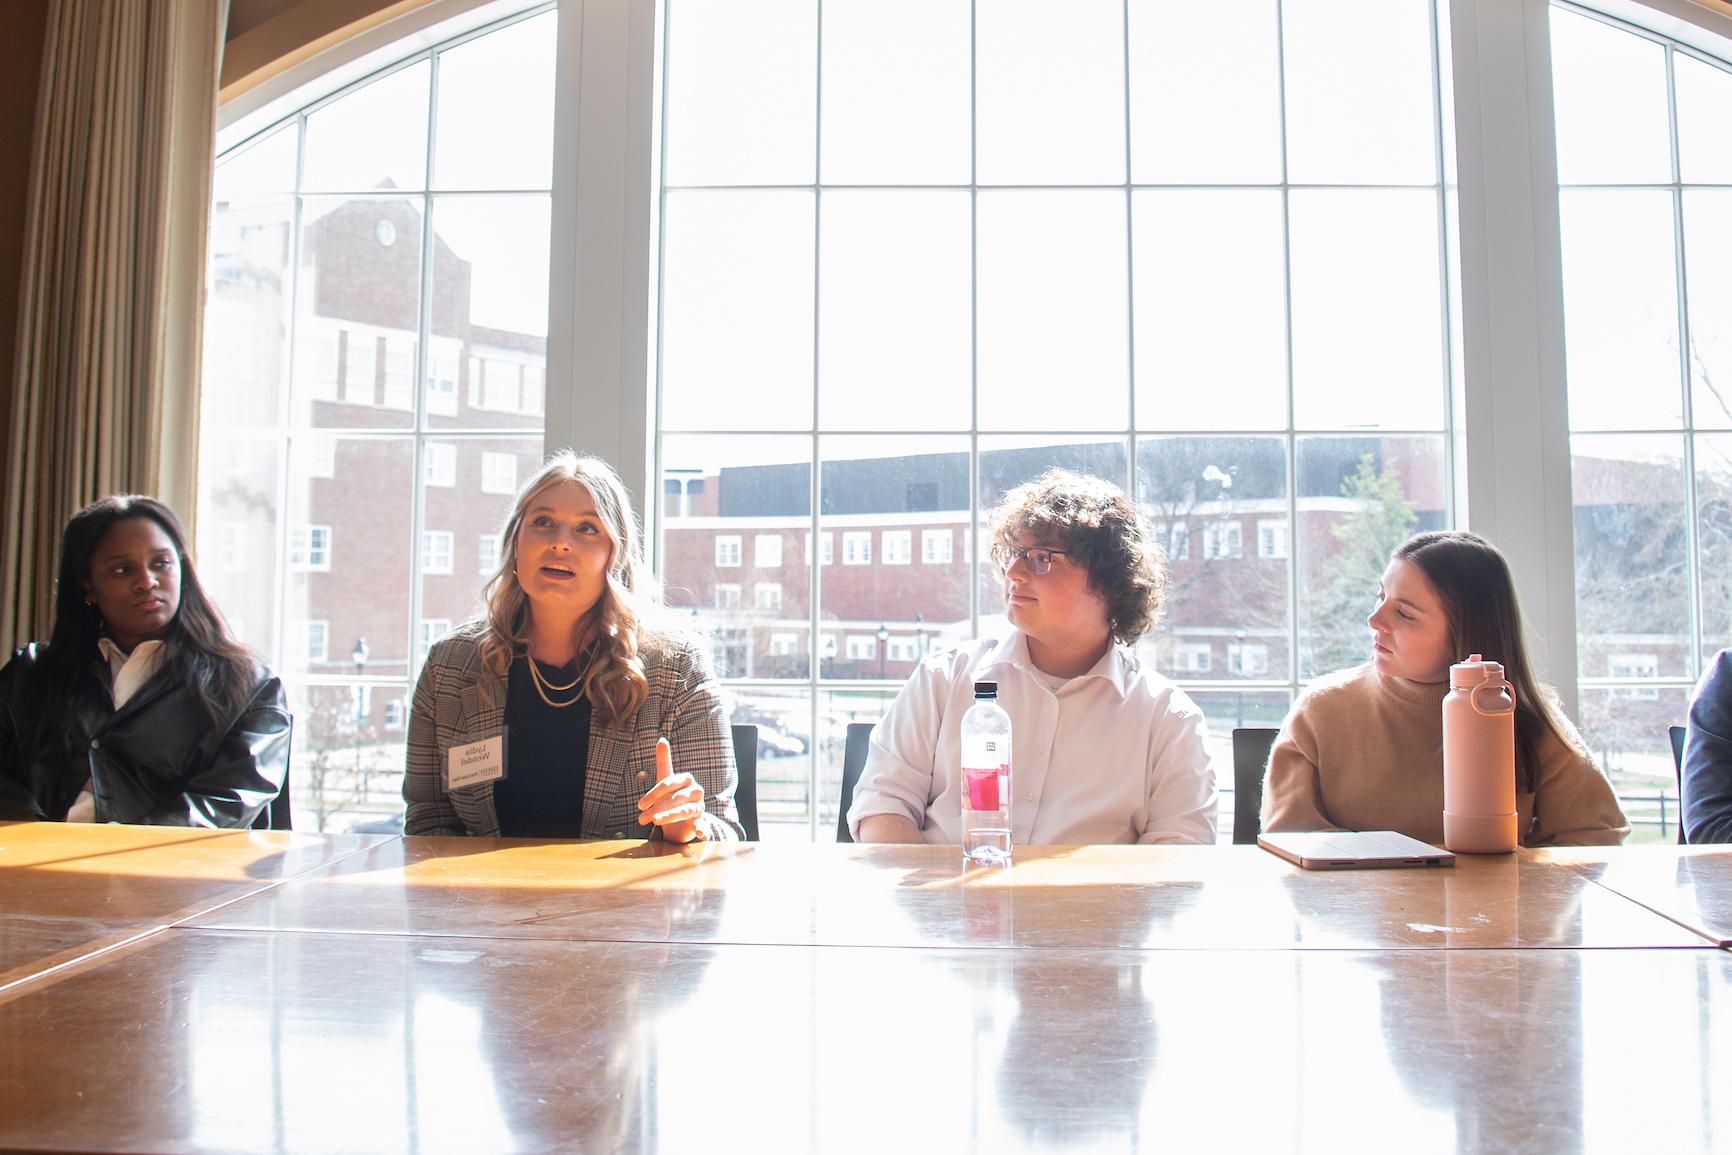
point(359, 654)
point(920, 637)
point(883, 644)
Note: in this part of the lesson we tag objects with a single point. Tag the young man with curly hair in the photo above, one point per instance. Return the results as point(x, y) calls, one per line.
point(1103, 748)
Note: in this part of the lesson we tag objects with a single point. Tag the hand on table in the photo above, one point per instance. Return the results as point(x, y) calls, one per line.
point(675, 803)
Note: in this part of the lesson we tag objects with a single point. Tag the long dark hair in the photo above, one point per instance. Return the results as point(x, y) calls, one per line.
point(198, 651)
point(1473, 581)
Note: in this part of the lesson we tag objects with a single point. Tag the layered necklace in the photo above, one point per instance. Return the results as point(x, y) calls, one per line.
point(546, 688)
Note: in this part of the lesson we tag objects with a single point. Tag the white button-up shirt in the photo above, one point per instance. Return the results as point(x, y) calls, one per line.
point(1115, 755)
point(127, 672)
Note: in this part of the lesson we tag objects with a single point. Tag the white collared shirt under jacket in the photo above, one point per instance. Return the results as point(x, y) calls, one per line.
point(1118, 754)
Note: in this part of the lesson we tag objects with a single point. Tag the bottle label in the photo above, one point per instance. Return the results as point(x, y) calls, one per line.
point(982, 785)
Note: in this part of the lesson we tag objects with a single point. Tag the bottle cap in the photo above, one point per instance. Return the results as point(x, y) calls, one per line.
point(1468, 674)
point(986, 690)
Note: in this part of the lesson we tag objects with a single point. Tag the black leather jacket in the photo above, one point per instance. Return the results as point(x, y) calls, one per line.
point(157, 760)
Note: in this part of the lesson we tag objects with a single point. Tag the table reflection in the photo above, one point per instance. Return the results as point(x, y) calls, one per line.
point(337, 1042)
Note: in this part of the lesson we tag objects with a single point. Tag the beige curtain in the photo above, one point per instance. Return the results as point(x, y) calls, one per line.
point(105, 388)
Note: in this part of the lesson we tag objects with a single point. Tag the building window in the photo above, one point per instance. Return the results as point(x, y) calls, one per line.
point(826, 548)
point(436, 547)
point(440, 466)
point(1193, 657)
point(860, 647)
point(310, 548)
point(783, 645)
point(316, 643)
point(1247, 659)
point(498, 473)
point(1632, 666)
point(767, 550)
point(443, 357)
point(1223, 539)
point(1272, 539)
point(234, 546)
point(856, 548)
point(399, 371)
point(727, 551)
point(321, 457)
point(432, 629)
point(898, 546)
point(394, 714)
point(360, 367)
point(727, 596)
point(902, 649)
point(767, 596)
point(1178, 542)
point(488, 561)
point(935, 546)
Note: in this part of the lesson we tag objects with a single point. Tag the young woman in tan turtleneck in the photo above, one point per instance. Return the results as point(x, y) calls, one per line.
point(1362, 749)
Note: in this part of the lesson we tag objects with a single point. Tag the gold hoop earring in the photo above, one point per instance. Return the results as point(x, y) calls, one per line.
point(89, 599)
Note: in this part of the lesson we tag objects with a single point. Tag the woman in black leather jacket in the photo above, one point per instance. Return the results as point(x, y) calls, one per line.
point(141, 707)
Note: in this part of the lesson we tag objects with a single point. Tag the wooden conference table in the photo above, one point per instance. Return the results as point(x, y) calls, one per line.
point(182, 990)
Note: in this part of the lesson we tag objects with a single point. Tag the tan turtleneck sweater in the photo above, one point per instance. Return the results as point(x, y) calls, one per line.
point(1360, 751)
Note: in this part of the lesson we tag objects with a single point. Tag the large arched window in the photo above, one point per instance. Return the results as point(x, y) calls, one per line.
point(1643, 168)
point(914, 253)
point(375, 384)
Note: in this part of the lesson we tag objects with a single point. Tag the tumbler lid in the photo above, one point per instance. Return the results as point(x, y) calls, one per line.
point(1472, 672)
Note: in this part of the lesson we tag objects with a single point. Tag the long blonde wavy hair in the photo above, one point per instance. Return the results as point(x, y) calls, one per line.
point(616, 627)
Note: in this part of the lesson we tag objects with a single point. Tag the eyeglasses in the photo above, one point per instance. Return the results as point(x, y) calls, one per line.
point(1039, 558)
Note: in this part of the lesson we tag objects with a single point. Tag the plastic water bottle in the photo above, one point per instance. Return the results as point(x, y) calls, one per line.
point(986, 778)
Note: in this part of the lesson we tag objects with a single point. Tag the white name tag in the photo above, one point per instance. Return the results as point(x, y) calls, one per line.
point(478, 762)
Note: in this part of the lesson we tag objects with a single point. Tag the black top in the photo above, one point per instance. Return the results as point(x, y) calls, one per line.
point(546, 757)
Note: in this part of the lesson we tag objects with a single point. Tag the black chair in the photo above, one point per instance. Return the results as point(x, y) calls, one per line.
point(746, 761)
point(1676, 733)
point(853, 761)
point(1251, 746)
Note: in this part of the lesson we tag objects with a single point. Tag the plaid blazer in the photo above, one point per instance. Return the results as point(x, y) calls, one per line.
point(459, 700)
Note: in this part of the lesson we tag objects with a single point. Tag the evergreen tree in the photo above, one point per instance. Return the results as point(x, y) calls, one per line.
point(1382, 519)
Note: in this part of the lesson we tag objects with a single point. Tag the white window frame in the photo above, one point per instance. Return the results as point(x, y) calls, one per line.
point(438, 547)
point(1193, 657)
point(767, 550)
point(725, 595)
point(728, 548)
point(306, 554)
point(316, 640)
point(898, 547)
point(487, 553)
point(936, 546)
point(784, 644)
point(767, 597)
point(1223, 540)
point(902, 648)
point(857, 547)
point(861, 647)
point(1272, 538)
point(1256, 652)
point(233, 555)
point(428, 631)
point(439, 464)
point(498, 472)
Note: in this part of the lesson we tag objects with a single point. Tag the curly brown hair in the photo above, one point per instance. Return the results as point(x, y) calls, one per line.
point(1098, 527)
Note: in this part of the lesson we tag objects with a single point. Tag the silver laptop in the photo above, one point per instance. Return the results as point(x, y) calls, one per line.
point(1346, 849)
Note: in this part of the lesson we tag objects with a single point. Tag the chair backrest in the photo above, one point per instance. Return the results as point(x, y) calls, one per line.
point(1250, 759)
point(1676, 733)
point(853, 761)
point(746, 761)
